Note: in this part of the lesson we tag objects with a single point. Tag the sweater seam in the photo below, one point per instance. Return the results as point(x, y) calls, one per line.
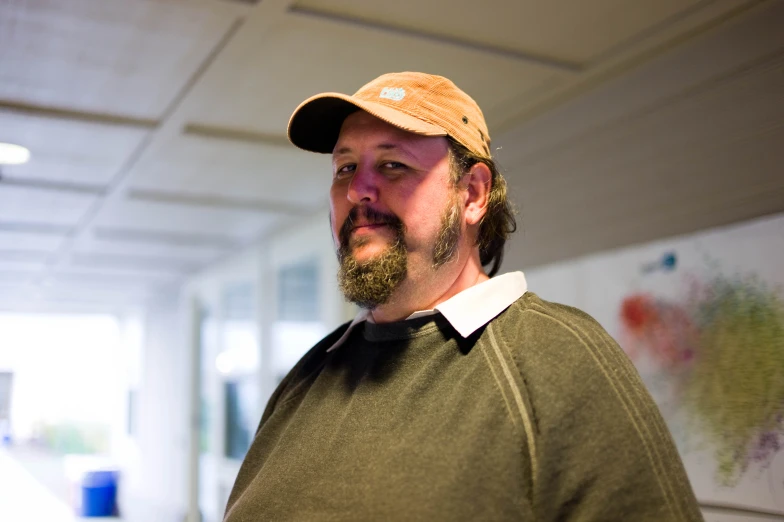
point(525, 417)
point(656, 427)
point(655, 463)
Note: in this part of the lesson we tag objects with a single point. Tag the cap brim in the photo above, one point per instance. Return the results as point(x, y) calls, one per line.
point(315, 124)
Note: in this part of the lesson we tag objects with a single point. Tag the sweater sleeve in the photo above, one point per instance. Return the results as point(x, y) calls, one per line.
point(602, 448)
point(308, 364)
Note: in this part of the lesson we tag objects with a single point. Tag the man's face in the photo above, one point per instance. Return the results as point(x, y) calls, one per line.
point(395, 213)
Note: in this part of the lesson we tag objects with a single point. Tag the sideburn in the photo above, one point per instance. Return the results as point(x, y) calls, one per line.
point(445, 247)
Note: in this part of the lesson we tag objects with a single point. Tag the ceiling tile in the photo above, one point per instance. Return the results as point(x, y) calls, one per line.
point(10, 240)
point(15, 265)
point(263, 75)
point(153, 216)
point(110, 277)
point(570, 30)
point(246, 172)
point(67, 151)
point(18, 204)
point(89, 292)
point(17, 277)
point(88, 55)
point(135, 263)
point(198, 253)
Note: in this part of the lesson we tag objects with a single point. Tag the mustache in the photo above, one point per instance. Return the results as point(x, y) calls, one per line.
point(372, 216)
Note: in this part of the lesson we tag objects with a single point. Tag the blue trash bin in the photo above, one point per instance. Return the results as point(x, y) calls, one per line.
point(99, 493)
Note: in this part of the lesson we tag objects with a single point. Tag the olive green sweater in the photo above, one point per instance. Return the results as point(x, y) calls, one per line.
point(538, 416)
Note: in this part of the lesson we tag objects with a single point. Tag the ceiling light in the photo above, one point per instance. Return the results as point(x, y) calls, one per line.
point(11, 154)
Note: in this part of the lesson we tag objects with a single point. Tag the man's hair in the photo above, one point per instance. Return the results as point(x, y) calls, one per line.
point(499, 219)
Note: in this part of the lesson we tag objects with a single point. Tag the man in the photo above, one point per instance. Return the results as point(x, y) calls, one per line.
point(451, 396)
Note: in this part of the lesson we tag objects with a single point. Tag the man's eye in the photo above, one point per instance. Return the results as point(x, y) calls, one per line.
point(345, 171)
point(394, 165)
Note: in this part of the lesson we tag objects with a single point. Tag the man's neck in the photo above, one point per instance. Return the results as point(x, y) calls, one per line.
point(428, 291)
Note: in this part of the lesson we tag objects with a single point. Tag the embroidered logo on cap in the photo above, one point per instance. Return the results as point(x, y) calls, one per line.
point(393, 93)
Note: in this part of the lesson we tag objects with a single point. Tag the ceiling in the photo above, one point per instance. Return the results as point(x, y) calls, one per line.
point(157, 127)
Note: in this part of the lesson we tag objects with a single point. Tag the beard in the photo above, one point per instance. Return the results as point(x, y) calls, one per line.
point(372, 282)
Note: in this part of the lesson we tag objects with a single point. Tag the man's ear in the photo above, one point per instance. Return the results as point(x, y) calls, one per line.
point(477, 181)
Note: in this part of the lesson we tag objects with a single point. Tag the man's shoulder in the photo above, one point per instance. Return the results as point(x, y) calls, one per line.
point(308, 365)
point(533, 314)
point(555, 340)
point(563, 355)
point(585, 404)
point(318, 352)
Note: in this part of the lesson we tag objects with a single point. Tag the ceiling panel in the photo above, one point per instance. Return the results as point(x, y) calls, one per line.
point(86, 293)
point(57, 292)
point(12, 240)
point(127, 57)
point(733, 47)
point(84, 84)
point(36, 206)
point(15, 289)
point(153, 216)
point(247, 172)
point(24, 256)
point(197, 253)
point(569, 30)
point(104, 285)
point(14, 262)
point(8, 263)
point(133, 235)
point(110, 277)
point(263, 75)
point(137, 263)
point(67, 150)
point(16, 277)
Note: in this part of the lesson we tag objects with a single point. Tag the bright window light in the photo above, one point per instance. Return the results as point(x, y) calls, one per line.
point(11, 154)
point(224, 362)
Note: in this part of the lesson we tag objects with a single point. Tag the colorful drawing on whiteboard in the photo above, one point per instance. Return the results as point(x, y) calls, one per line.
point(720, 350)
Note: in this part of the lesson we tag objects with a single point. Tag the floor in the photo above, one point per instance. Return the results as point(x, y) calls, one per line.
point(33, 488)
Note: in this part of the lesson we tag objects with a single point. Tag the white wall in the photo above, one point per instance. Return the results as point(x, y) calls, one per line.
point(689, 140)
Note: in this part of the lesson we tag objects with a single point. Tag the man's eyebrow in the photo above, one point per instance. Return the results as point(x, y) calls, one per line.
point(380, 146)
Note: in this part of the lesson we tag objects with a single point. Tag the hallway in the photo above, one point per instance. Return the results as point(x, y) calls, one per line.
point(24, 499)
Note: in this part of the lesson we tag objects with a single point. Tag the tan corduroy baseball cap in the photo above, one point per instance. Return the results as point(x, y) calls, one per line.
point(416, 102)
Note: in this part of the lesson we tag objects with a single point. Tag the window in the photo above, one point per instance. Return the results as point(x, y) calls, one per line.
point(240, 394)
point(298, 326)
point(238, 363)
point(298, 292)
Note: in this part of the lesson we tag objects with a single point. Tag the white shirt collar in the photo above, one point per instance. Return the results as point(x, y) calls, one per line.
point(467, 311)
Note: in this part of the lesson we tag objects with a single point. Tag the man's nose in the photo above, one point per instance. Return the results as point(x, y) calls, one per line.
point(363, 187)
